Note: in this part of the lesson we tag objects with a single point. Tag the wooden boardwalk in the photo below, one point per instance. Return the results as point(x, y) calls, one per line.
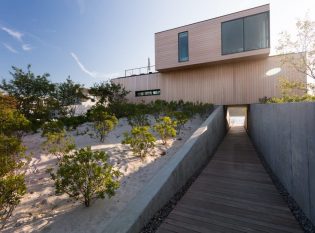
point(232, 194)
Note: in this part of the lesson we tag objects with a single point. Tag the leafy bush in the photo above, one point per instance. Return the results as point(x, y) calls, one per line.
point(181, 119)
point(166, 128)
point(140, 140)
point(58, 144)
point(73, 122)
point(291, 91)
point(138, 120)
point(12, 158)
point(103, 122)
point(12, 189)
point(86, 175)
point(53, 126)
point(109, 93)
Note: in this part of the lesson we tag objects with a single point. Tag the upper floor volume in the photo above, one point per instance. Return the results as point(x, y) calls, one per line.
point(235, 36)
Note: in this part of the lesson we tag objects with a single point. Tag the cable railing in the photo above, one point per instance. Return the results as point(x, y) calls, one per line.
point(140, 70)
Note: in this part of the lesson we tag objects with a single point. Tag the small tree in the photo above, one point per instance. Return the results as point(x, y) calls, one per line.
point(86, 175)
point(302, 44)
point(140, 140)
point(68, 95)
point(109, 93)
point(103, 122)
point(166, 128)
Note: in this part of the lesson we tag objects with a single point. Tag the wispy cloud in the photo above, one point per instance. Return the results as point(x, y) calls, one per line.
point(92, 74)
point(81, 5)
point(26, 47)
point(15, 34)
point(10, 48)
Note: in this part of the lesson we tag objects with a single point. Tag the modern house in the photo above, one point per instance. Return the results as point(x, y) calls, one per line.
point(224, 60)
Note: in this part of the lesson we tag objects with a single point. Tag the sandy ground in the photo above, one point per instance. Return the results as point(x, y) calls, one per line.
point(40, 210)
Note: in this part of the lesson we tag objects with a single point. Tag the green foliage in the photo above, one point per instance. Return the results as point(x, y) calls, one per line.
point(109, 93)
point(291, 91)
point(138, 120)
point(68, 95)
point(12, 188)
point(73, 122)
point(58, 143)
point(140, 140)
point(166, 128)
point(34, 94)
point(53, 126)
point(12, 158)
point(181, 119)
point(103, 122)
point(86, 175)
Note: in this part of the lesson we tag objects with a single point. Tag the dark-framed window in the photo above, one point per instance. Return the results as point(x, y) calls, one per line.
point(183, 54)
point(245, 34)
point(148, 92)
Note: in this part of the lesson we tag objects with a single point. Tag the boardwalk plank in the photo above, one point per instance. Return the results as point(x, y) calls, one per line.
point(232, 194)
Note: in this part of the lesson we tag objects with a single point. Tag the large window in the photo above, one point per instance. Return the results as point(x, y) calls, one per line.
point(183, 46)
point(232, 36)
point(244, 34)
point(148, 92)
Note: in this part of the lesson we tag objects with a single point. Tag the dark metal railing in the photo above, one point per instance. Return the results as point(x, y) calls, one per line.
point(140, 70)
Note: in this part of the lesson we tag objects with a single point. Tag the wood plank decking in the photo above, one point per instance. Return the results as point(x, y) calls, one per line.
point(232, 194)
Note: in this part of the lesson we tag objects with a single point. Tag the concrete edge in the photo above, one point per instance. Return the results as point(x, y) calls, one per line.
point(155, 194)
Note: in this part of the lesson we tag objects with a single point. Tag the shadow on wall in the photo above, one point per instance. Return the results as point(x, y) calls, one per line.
point(284, 134)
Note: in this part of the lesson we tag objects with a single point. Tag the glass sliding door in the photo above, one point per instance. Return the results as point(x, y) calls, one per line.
point(256, 29)
point(232, 36)
point(245, 34)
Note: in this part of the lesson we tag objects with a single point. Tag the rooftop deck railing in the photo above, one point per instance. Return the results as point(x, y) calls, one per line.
point(140, 70)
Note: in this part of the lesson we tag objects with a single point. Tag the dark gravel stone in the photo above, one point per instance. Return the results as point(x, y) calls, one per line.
point(297, 212)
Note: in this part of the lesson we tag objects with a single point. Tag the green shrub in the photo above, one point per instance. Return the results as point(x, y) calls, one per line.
point(103, 122)
point(138, 120)
point(12, 189)
point(54, 126)
point(287, 99)
point(140, 140)
point(73, 122)
point(12, 158)
point(181, 119)
point(58, 144)
point(166, 128)
point(85, 175)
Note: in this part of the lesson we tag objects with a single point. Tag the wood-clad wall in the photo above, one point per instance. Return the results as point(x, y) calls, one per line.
point(204, 39)
point(233, 83)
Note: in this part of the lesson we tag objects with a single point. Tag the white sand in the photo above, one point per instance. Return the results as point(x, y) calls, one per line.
point(41, 210)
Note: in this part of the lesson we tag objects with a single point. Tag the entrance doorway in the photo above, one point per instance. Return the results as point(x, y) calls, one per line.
point(237, 116)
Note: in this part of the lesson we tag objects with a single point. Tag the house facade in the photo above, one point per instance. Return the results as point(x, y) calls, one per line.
point(224, 60)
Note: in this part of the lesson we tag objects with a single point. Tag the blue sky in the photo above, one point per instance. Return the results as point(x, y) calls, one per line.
point(93, 40)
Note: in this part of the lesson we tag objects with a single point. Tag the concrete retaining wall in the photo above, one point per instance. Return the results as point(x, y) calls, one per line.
point(193, 154)
point(284, 134)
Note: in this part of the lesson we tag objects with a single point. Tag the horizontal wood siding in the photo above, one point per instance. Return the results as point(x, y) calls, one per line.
point(233, 83)
point(204, 40)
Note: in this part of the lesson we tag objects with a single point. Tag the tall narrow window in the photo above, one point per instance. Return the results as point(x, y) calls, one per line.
point(183, 46)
